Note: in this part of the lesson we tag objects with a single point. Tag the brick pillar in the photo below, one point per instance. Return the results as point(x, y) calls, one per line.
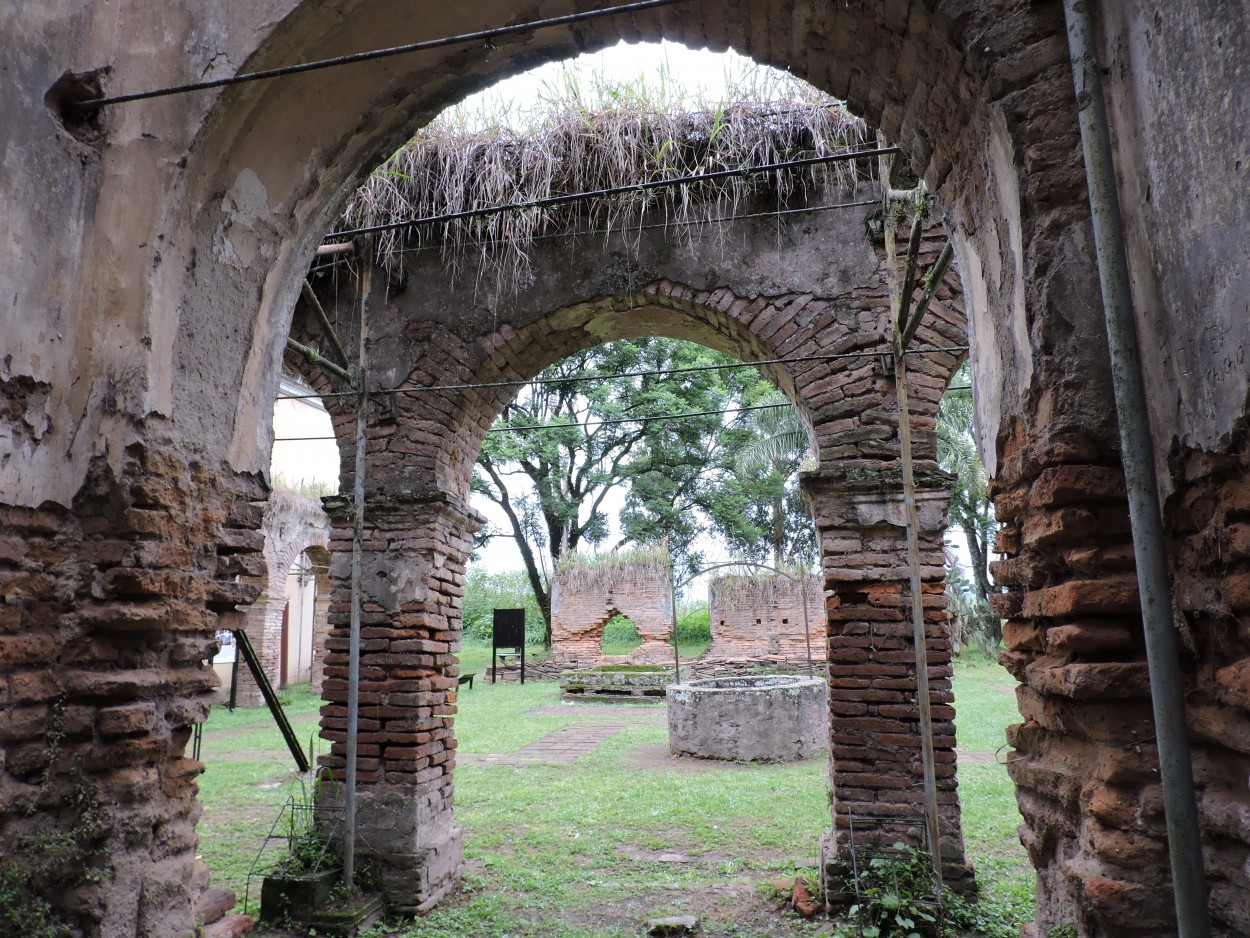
point(1085, 765)
point(106, 627)
point(878, 782)
point(415, 550)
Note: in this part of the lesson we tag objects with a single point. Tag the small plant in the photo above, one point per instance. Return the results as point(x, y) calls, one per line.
point(56, 858)
point(895, 896)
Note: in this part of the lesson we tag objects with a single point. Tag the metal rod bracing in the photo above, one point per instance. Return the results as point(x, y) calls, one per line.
point(646, 186)
point(358, 528)
point(1137, 448)
point(485, 36)
point(327, 249)
point(899, 302)
point(909, 270)
point(935, 280)
point(661, 372)
point(315, 358)
point(328, 326)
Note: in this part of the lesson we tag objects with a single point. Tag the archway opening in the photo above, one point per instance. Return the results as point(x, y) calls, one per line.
point(665, 308)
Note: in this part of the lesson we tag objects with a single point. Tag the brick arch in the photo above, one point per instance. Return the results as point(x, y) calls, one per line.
point(293, 525)
point(422, 447)
point(178, 299)
point(847, 403)
point(942, 107)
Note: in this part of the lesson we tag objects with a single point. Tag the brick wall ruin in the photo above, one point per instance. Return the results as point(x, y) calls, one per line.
point(764, 615)
point(292, 525)
point(142, 336)
point(584, 601)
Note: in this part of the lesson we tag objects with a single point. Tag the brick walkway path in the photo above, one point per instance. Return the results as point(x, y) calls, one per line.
point(559, 748)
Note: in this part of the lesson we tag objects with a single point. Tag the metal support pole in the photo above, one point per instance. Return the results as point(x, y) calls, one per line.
point(672, 593)
point(917, 616)
point(1137, 449)
point(353, 649)
point(807, 628)
point(899, 304)
point(315, 358)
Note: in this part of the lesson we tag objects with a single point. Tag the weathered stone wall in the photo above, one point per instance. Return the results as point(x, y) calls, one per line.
point(584, 604)
point(752, 616)
point(107, 623)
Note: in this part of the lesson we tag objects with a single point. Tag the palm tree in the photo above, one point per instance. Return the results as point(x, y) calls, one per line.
point(779, 446)
point(970, 507)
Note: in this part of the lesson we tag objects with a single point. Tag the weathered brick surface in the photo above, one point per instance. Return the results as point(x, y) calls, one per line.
point(584, 604)
point(420, 456)
point(764, 615)
point(110, 614)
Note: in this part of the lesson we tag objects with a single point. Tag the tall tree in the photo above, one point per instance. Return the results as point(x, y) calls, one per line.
point(778, 445)
point(579, 432)
point(970, 508)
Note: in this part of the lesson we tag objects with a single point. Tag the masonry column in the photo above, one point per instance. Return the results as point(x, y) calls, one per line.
point(878, 781)
point(412, 579)
point(107, 620)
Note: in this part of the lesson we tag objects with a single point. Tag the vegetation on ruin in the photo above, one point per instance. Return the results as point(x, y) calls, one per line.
point(748, 587)
point(590, 850)
point(593, 135)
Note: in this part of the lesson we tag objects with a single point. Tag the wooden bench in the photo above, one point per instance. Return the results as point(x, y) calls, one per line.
point(467, 678)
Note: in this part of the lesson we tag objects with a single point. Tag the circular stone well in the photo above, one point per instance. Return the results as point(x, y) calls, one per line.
point(772, 718)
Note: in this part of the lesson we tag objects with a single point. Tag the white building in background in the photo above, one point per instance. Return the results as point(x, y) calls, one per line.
point(287, 623)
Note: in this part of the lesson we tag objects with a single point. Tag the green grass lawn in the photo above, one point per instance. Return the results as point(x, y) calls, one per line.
point(623, 834)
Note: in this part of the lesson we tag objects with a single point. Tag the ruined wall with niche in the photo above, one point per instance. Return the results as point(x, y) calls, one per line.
point(764, 615)
point(585, 599)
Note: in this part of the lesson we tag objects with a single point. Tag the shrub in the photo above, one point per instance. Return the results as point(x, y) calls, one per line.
point(485, 592)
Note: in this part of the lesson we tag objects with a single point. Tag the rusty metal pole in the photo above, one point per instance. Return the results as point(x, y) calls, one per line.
point(899, 309)
point(1137, 448)
point(358, 528)
point(917, 615)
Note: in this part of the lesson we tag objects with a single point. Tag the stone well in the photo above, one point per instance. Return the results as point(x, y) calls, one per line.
point(763, 718)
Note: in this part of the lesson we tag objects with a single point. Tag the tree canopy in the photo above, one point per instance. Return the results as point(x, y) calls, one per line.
point(583, 429)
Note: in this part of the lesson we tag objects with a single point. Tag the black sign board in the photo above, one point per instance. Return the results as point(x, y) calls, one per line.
point(509, 628)
point(509, 632)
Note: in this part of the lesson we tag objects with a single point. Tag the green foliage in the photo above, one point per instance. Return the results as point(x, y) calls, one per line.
point(620, 636)
point(57, 857)
point(580, 440)
point(895, 896)
point(972, 512)
point(484, 592)
point(693, 625)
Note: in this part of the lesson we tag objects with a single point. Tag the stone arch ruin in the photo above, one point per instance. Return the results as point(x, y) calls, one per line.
point(155, 253)
point(293, 526)
point(586, 600)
